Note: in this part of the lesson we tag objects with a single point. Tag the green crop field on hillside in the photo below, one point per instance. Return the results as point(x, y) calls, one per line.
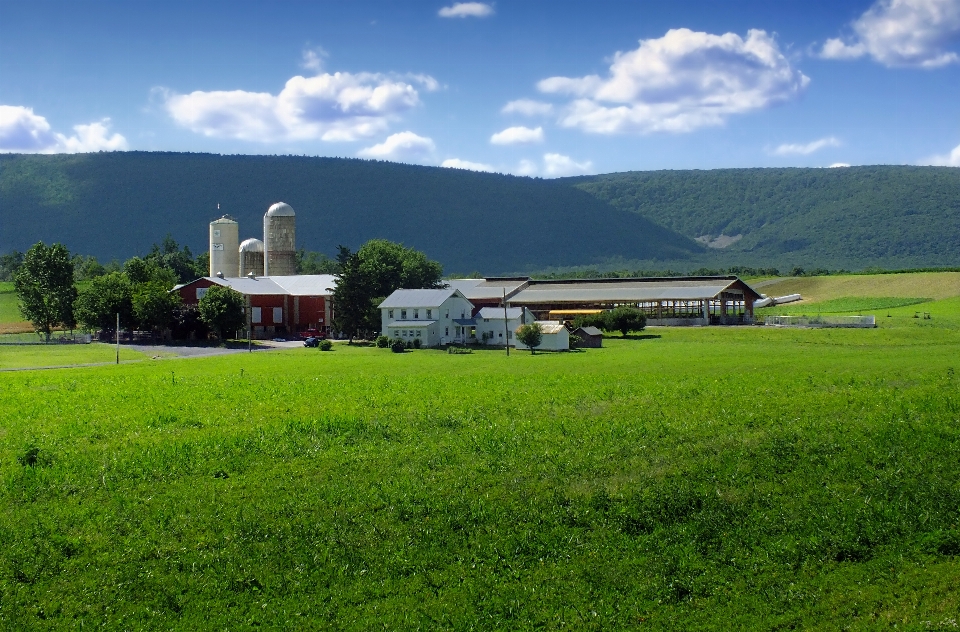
point(703, 478)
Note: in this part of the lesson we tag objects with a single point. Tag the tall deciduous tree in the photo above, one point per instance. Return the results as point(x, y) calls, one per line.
point(154, 305)
point(625, 319)
point(44, 286)
point(99, 303)
point(222, 309)
point(372, 273)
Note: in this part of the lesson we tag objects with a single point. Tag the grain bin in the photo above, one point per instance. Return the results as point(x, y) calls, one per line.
point(279, 241)
point(224, 238)
point(251, 257)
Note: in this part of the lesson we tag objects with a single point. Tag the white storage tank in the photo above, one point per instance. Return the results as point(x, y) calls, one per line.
point(251, 257)
point(224, 240)
point(279, 241)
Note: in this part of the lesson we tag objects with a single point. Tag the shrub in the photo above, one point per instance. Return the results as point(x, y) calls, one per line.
point(325, 345)
point(397, 346)
point(382, 342)
point(416, 343)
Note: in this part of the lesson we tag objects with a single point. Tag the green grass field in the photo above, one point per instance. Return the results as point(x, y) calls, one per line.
point(38, 356)
point(710, 478)
point(9, 310)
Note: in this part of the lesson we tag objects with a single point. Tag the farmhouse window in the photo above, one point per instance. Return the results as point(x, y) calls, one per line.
point(390, 314)
point(418, 333)
point(446, 331)
point(403, 314)
point(416, 313)
point(257, 316)
point(447, 314)
point(201, 291)
point(277, 315)
point(429, 313)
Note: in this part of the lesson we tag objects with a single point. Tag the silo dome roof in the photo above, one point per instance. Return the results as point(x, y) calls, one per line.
point(226, 219)
point(280, 209)
point(251, 245)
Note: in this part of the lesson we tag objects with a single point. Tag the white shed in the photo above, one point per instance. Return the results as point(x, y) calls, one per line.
point(555, 336)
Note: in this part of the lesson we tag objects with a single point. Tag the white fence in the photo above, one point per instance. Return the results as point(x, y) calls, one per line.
point(821, 321)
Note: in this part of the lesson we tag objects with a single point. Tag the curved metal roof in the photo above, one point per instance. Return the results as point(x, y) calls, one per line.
point(280, 209)
point(251, 245)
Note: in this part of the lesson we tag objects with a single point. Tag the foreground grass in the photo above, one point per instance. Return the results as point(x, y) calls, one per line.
point(710, 479)
point(38, 356)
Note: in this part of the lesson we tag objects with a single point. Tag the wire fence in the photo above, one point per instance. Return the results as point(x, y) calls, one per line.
point(861, 322)
point(56, 338)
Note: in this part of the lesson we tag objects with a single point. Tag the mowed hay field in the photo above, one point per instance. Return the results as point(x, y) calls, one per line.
point(712, 478)
point(929, 285)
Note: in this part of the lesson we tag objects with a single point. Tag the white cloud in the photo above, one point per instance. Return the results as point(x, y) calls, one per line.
point(902, 33)
point(401, 147)
point(680, 82)
point(553, 166)
point(331, 107)
point(839, 164)
point(22, 131)
point(456, 163)
point(466, 10)
point(517, 136)
point(948, 160)
point(313, 59)
point(795, 148)
point(528, 107)
point(557, 165)
point(527, 168)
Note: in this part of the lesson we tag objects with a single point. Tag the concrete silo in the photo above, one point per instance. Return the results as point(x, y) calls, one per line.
point(251, 257)
point(279, 241)
point(224, 238)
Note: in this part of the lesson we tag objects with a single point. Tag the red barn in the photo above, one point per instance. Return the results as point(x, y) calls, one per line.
point(279, 305)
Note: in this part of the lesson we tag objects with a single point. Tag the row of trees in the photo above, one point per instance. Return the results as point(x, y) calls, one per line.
point(138, 293)
point(623, 319)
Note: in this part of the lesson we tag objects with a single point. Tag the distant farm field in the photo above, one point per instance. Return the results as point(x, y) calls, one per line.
point(933, 285)
point(702, 478)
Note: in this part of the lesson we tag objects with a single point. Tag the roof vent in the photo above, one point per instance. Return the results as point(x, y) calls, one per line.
point(219, 274)
point(251, 275)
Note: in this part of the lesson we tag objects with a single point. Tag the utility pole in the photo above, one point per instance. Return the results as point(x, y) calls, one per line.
point(118, 337)
point(506, 323)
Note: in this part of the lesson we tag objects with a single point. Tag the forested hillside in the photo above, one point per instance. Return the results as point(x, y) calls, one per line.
point(115, 205)
point(118, 204)
point(827, 217)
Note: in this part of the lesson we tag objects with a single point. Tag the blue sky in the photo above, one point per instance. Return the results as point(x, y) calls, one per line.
point(535, 88)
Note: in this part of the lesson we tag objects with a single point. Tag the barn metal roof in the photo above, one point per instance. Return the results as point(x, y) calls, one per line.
point(419, 298)
point(624, 290)
point(550, 326)
point(496, 313)
point(306, 284)
point(486, 289)
point(258, 286)
point(299, 285)
point(590, 331)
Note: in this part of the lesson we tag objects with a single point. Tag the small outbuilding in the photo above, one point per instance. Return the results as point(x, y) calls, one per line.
point(590, 337)
point(555, 337)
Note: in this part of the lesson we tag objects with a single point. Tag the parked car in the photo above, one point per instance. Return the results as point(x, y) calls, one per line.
point(312, 341)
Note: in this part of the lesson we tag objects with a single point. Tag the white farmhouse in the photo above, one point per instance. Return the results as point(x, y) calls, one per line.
point(555, 337)
point(434, 317)
point(491, 329)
